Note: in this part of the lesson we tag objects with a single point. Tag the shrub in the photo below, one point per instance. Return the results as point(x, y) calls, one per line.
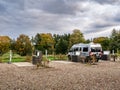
point(28, 58)
point(0, 59)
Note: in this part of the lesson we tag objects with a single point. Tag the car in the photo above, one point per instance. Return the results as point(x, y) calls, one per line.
point(82, 50)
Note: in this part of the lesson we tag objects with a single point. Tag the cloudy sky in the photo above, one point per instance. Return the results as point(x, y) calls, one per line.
point(93, 17)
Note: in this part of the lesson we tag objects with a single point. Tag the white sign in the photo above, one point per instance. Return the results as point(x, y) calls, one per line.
point(106, 52)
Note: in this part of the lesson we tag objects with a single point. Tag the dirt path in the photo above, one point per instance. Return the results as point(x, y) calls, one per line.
point(61, 76)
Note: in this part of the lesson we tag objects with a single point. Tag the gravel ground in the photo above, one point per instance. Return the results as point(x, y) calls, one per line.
point(105, 75)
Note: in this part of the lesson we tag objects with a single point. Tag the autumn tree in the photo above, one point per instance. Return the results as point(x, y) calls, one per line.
point(44, 41)
point(76, 37)
point(4, 44)
point(104, 41)
point(23, 45)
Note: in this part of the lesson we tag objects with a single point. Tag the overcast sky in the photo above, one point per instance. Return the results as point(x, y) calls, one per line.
point(93, 17)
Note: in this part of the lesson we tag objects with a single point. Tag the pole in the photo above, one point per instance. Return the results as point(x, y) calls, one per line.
point(10, 60)
point(46, 53)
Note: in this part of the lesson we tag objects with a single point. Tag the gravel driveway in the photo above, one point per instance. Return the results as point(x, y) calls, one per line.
point(105, 75)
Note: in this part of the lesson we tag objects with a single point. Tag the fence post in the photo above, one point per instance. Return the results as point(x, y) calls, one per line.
point(10, 59)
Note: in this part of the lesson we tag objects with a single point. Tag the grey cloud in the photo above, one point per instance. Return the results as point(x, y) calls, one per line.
point(55, 6)
point(116, 18)
point(2, 9)
point(59, 7)
point(108, 1)
point(12, 4)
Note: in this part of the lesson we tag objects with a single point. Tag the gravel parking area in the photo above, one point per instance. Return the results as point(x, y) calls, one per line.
point(105, 75)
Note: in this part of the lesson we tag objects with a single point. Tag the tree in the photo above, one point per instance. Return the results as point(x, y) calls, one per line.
point(23, 45)
point(104, 41)
point(61, 43)
point(44, 41)
point(4, 44)
point(87, 41)
point(61, 46)
point(115, 40)
point(48, 42)
point(76, 37)
point(37, 42)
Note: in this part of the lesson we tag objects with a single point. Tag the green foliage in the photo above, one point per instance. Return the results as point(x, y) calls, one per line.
point(61, 43)
point(61, 46)
point(115, 41)
point(87, 41)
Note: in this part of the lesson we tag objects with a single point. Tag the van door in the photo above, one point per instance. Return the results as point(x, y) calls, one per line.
point(85, 51)
point(77, 51)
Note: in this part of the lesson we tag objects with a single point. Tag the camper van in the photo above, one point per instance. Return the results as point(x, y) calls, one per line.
point(85, 50)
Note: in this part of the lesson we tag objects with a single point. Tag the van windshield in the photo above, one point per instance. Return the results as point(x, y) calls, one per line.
point(95, 49)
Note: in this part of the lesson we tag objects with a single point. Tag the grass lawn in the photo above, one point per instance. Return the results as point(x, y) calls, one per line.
point(17, 58)
point(57, 57)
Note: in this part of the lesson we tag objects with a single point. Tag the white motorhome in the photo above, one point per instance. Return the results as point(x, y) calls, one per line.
point(85, 50)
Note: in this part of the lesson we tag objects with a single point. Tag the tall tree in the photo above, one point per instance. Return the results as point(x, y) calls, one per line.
point(76, 37)
point(23, 45)
point(115, 40)
point(47, 41)
point(61, 43)
point(37, 42)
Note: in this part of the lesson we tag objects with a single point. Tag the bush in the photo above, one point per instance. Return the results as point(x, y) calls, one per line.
point(0, 59)
point(28, 58)
point(57, 57)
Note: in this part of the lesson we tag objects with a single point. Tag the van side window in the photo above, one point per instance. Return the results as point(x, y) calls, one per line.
point(85, 49)
point(95, 49)
point(80, 49)
point(76, 49)
point(70, 50)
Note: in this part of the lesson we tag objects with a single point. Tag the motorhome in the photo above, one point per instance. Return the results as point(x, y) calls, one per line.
point(85, 50)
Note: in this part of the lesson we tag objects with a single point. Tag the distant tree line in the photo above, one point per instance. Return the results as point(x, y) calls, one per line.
point(55, 44)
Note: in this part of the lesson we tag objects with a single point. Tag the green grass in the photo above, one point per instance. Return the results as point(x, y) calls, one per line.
point(15, 58)
point(57, 57)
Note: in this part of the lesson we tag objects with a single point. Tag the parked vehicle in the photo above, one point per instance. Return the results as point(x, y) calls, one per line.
point(85, 51)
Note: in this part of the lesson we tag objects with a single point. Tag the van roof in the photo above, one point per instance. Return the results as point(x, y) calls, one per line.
point(87, 45)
